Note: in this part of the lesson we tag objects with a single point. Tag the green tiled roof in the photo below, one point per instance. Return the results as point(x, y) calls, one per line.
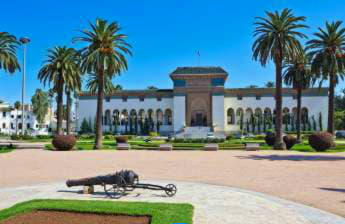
point(198, 70)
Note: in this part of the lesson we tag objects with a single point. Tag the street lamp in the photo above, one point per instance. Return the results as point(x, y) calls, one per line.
point(24, 41)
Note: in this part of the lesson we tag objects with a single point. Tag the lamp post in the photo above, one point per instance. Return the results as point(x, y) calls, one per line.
point(24, 41)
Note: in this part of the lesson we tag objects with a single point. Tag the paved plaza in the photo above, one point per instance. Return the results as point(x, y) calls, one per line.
point(316, 180)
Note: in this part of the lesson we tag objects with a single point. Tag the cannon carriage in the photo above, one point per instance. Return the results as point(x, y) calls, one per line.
point(117, 184)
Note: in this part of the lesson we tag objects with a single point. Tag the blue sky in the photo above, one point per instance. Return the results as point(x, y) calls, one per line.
point(164, 35)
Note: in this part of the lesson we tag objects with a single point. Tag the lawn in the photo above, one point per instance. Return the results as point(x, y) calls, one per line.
point(233, 144)
point(6, 149)
point(161, 213)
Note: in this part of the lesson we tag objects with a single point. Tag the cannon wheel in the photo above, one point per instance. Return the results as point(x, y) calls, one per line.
point(131, 187)
point(171, 190)
point(113, 191)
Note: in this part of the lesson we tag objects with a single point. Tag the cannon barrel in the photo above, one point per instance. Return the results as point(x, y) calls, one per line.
point(124, 177)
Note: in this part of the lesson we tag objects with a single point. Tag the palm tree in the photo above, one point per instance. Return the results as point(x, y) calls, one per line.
point(109, 87)
point(17, 106)
point(297, 74)
point(40, 105)
point(328, 61)
point(8, 58)
point(269, 84)
point(276, 40)
point(60, 67)
point(51, 94)
point(104, 56)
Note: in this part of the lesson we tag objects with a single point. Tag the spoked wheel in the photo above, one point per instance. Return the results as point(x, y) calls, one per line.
point(114, 191)
point(171, 190)
point(132, 187)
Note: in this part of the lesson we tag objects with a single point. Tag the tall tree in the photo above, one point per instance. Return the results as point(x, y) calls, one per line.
point(104, 56)
point(40, 105)
point(17, 106)
point(298, 75)
point(277, 40)
point(59, 68)
point(8, 48)
point(51, 94)
point(109, 87)
point(328, 61)
point(269, 84)
point(72, 85)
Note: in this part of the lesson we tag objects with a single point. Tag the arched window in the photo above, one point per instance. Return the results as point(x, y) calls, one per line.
point(133, 114)
point(168, 117)
point(159, 114)
point(124, 117)
point(239, 114)
point(116, 117)
point(3, 125)
point(231, 116)
point(286, 110)
point(267, 112)
point(249, 113)
point(141, 115)
point(150, 115)
point(258, 112)
point(304, 114)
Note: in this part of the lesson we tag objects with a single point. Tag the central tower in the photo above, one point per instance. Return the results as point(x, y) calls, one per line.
point(196, 93)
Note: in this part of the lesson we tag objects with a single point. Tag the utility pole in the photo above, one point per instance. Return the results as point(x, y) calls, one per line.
point(24, 41)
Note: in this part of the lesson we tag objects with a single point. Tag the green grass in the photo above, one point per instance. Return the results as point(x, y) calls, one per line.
point(305, 147)
point(6, 149)
point(161, 213)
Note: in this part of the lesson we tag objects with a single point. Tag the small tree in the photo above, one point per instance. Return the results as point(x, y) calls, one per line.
point(314, 123)
point(84, 127)
point(320, 121)
point(247, 124)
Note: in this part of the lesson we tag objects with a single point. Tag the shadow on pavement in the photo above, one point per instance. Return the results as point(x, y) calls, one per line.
point(333, 189)
point(293, 157)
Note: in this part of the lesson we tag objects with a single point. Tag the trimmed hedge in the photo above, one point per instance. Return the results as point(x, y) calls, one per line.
point(290, 141)
point(121, 139)
point(270, 138)
point(321, 141)
point(64, 142)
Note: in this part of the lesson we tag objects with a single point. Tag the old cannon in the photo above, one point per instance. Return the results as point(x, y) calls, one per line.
point(117, 184)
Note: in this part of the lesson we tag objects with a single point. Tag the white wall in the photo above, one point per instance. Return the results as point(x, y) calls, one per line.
point(179, 112)
point(87, 108)
point(218, 115)
point(315, 105)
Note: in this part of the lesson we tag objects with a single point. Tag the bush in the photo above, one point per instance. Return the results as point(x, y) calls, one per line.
point(229, 137)
point(290, 141)
point(86, 137)
point(108, 137)
point(64, 142)
point(121, 139)
point(259, 137)
point(43, 136)
point(321, 141)
point(21, 137)
point(270, 138)
point(153, 134)
point(198, 140)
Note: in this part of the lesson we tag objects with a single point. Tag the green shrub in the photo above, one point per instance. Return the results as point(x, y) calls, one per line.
point(108, 137)
point(21, 137)
point(259, 137)
point(86, 137)
point(321, 141)
point(121, 139)
point(43, 136)
point(290, 141)
point(153, 134)
point(64, 142)
point(270, 138)
point(198, 140)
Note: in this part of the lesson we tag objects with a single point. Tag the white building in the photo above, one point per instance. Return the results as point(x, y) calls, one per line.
point(11, 121)
point(199, 101)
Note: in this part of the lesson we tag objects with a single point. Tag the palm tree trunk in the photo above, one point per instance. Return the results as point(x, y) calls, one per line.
point(299, 105)
point(68, 112)
point(279, 143)
point(99, 114)
point(59, 107)
point(330, 125)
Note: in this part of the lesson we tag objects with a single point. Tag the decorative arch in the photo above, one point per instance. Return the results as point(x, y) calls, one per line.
point(168, 117)
point(159, 115)
point(249, 113)
point(230, 116)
